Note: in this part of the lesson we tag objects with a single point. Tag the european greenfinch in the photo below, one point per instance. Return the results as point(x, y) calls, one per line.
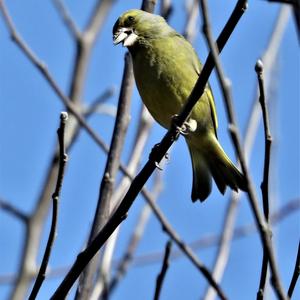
point(166, 68)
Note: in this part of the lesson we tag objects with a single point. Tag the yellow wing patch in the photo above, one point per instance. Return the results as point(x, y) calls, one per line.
point(212, 107)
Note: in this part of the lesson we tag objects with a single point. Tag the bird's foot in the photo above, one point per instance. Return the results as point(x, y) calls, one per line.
point(187, 127)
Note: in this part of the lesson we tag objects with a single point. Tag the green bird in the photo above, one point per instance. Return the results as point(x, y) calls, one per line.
point(166, 68)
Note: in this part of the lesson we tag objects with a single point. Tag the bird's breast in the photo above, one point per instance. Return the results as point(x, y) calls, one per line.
point(161, 85)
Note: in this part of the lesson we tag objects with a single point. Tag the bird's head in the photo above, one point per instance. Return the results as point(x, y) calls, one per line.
point(135, 25)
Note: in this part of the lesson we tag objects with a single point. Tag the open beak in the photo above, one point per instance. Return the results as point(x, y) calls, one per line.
point(124, 35)
point(121, 35)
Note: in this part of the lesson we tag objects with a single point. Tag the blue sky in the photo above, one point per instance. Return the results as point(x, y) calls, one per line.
point(29, 117)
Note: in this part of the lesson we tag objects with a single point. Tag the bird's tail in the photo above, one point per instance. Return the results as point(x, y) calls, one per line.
point(211, 161)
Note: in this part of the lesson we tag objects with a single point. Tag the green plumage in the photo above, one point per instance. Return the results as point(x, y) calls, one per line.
point(166, 68)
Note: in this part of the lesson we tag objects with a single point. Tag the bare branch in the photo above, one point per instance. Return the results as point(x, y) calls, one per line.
point(163, 272)
point(268, 138)
point(265, 182)
point(85, 44)
point(55, 199)
point(135, 238)
point(295, 274)
point(103, 210)
point(261, 223)
point(144, 125)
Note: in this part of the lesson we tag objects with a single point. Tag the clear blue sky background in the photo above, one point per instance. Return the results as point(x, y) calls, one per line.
point(29, 114)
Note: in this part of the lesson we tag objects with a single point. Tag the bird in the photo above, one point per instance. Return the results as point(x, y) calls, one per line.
point(166, 68)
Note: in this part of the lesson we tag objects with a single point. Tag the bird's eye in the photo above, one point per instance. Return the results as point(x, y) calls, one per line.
point(131, 18)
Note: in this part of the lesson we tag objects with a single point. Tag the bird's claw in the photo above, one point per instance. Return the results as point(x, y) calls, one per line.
point(186, 128)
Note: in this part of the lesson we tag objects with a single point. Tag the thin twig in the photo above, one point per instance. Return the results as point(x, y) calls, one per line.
point(268, 139)
point(156, 156)
point(265, 181)
point(296, 274)
point(161, 276)
point(103, 210)
point(55, 199)
point(14, 211)
point(68, 20)
point(261, 223)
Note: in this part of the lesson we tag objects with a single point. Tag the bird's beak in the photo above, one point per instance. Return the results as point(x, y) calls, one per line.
point(120, 35)
point(125, 35)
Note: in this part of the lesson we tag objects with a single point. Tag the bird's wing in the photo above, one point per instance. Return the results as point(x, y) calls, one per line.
point(212, 107)
point(198, 67)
